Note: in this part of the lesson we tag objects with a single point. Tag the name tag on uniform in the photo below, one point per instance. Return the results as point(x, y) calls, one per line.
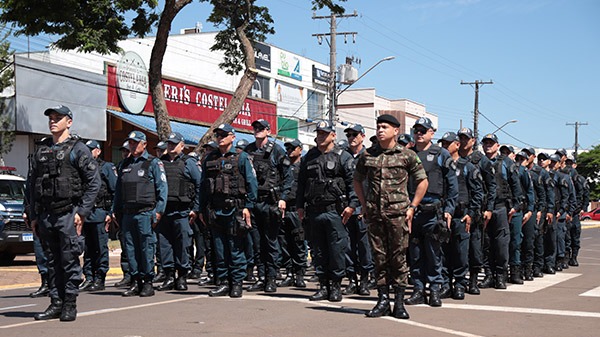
point(141, 173)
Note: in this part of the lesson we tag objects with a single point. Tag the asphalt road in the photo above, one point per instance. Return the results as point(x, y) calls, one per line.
point(565, 304)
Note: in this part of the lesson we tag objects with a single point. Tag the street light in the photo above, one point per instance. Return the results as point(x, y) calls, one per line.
point(337, 94)
point(505, 124)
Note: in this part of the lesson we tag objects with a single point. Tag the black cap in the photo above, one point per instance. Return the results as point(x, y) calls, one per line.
point(507, 147)
point(343, 144)
point(241, 144)
point(125, 146)
point(424, 122)
point(161, 145)
point(465, 131)
point(561, 152)
point(261, 122)
point(572, 159)
point(490, 136)
point(523, 154)
point(405, 138)
point(293, 143)
point(211, 144)
point(92, 144)
point(324, 126)
point(530, 151)
point(554, 157)
point(373, 139)
point(225, 127)
point(355, 127)
point(391, 120)
point(542, 156)
point(450, 137)
point(61, 110)
point(175, 137)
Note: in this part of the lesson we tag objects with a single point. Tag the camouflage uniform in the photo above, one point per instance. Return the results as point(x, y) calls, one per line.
point(387, 200)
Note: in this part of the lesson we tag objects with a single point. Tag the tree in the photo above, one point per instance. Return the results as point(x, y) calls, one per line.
point(7, 133)
point(588, 165)
point(99, 25)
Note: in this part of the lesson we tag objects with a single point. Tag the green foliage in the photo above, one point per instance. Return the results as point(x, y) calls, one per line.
point(7, 133)
point(333, 7)
point(93, 25)
point(588, 165)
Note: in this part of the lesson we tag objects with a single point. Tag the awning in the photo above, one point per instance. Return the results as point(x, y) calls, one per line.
point(191, 133)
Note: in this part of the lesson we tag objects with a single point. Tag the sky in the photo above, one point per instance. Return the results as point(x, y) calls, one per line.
point(541, 55)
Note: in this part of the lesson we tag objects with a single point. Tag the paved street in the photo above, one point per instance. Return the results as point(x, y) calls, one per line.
point(565, 304)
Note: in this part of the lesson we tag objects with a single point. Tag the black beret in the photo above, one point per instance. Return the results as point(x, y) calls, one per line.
point(391, 120)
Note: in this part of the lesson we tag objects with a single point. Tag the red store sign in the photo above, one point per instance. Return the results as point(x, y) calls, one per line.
point(193, 103)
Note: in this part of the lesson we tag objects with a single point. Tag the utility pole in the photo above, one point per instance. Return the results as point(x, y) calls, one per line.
point(331, 90)
point(477, 84)
point(577, 124)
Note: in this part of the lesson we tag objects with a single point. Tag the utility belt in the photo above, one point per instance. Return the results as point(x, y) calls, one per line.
point(507, 203)
point(321, 208)
point(175, 206)
point(432, 207)
point(134, 209)
point(269, 196)
point(55, 211)
point(460, 209)
point(224, 204)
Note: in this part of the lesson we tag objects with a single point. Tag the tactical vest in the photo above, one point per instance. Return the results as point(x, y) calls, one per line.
point(538, 183)
point(435, 176)
point(325, 186)
point(295, 170)
point(503, 191)
point(463, 190)
point(267, 174)
point(58, 184)
point(136, 186)
point(104, 198)
point(180, 188)
point(225, 181)
point(558, 197)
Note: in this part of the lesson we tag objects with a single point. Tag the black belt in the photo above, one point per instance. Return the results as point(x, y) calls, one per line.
point(322, 208)
point(135, 210)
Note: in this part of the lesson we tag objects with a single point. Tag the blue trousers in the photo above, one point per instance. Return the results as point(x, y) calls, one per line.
point(95, 257)
point(40, 256)
point(330, 238)
point(268, 225)
point(516, 237)
point(359, 259)
point(456, 255)
point(140, 243)
point(174, 238)
point(230, 260)
point(425, 252)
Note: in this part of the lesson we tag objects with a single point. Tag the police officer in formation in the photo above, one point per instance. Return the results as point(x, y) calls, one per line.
point(183, 206)
point(467, 211)
point(229, 191)
point(95, 228)
point(432, 220)
point(359, 261)
point(545, 217)
point(291, 236)
point(388, 211)
point(140, 200)
point(64, 182)
point(573, 242)
point(274, 184)
point(326, 192)
point(554, 242)
point(124, 262)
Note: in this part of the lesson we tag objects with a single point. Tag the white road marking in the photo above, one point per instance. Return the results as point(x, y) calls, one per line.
point(540, 283)
point(592, 293)
point(18, 306)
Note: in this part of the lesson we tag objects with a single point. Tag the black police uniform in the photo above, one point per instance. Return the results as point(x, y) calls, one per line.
point(274, 184)
point(325, 188)
point(531, 227)
point(572, 240)
point(64, 181)
point(547, 205)
point(561, 202)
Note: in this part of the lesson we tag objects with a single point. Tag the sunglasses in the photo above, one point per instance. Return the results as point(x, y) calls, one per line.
point(351, 134)
point(421, 130)
point(221, 134)
point(259, 128)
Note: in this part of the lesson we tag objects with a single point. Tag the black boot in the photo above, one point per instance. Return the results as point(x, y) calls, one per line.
point(548, 269)
point(399, 310)
point(500, 281)
point(69, 309)
point(363, 286)
point(236, 290)
point(257, 286)
point(125, 281)
point(53, 311)
point(134, 289)
point(417, 297)
point(222, 290)
point(473, 288)
point(160, 277)
point(299, 280)
point(288, 280)
point(383, 307)
point(43, 290)
point(335, 291)
point(352, 285)
point(250, 275)
point(515, 275)
point(487, 282)
point(169, 282)
point(459, 292)
point(270, 286)
point(322, 293)
point(435, 299)
point(147, 289)
point(537, 272)
point(563, 263)
point(372, 284)
point(573, 261)
point(527, 272)
point(85, 286)
point(98, 283)
point(446, 291)
point(181, 281)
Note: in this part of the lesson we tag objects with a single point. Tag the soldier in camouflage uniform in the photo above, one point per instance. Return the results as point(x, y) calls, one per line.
point(388, 212)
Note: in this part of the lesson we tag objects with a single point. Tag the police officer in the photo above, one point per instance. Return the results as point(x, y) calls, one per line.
point(582, 189)
point(477, 259)
point(291, 237)
point(406, 140)
point(240, 145)
point(95, 228)
point(160, 150)
point(561, 201)
point(431, 224)
point(388, 211)
point(520, 219)
point(325, 189)
point(359, 260)
point(509, 200)
point(468, 210)
point(183, 181)
point(124, 262)
point(140, 200)
point(545, 215)
point(65, 181)
point(274, 184)
point(564, 222)
point(229, 190)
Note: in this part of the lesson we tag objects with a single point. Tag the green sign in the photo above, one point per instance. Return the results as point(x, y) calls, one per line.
point(287, 127)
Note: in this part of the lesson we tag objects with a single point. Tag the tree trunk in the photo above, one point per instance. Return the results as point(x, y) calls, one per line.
point(241, 92)
point(161, 115)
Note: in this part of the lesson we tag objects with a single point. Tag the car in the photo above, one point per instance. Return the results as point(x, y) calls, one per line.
point(15, 236)
point(591, 215)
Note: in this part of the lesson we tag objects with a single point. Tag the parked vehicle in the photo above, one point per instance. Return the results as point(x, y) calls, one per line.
point(591, 215)
point(15, 236)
